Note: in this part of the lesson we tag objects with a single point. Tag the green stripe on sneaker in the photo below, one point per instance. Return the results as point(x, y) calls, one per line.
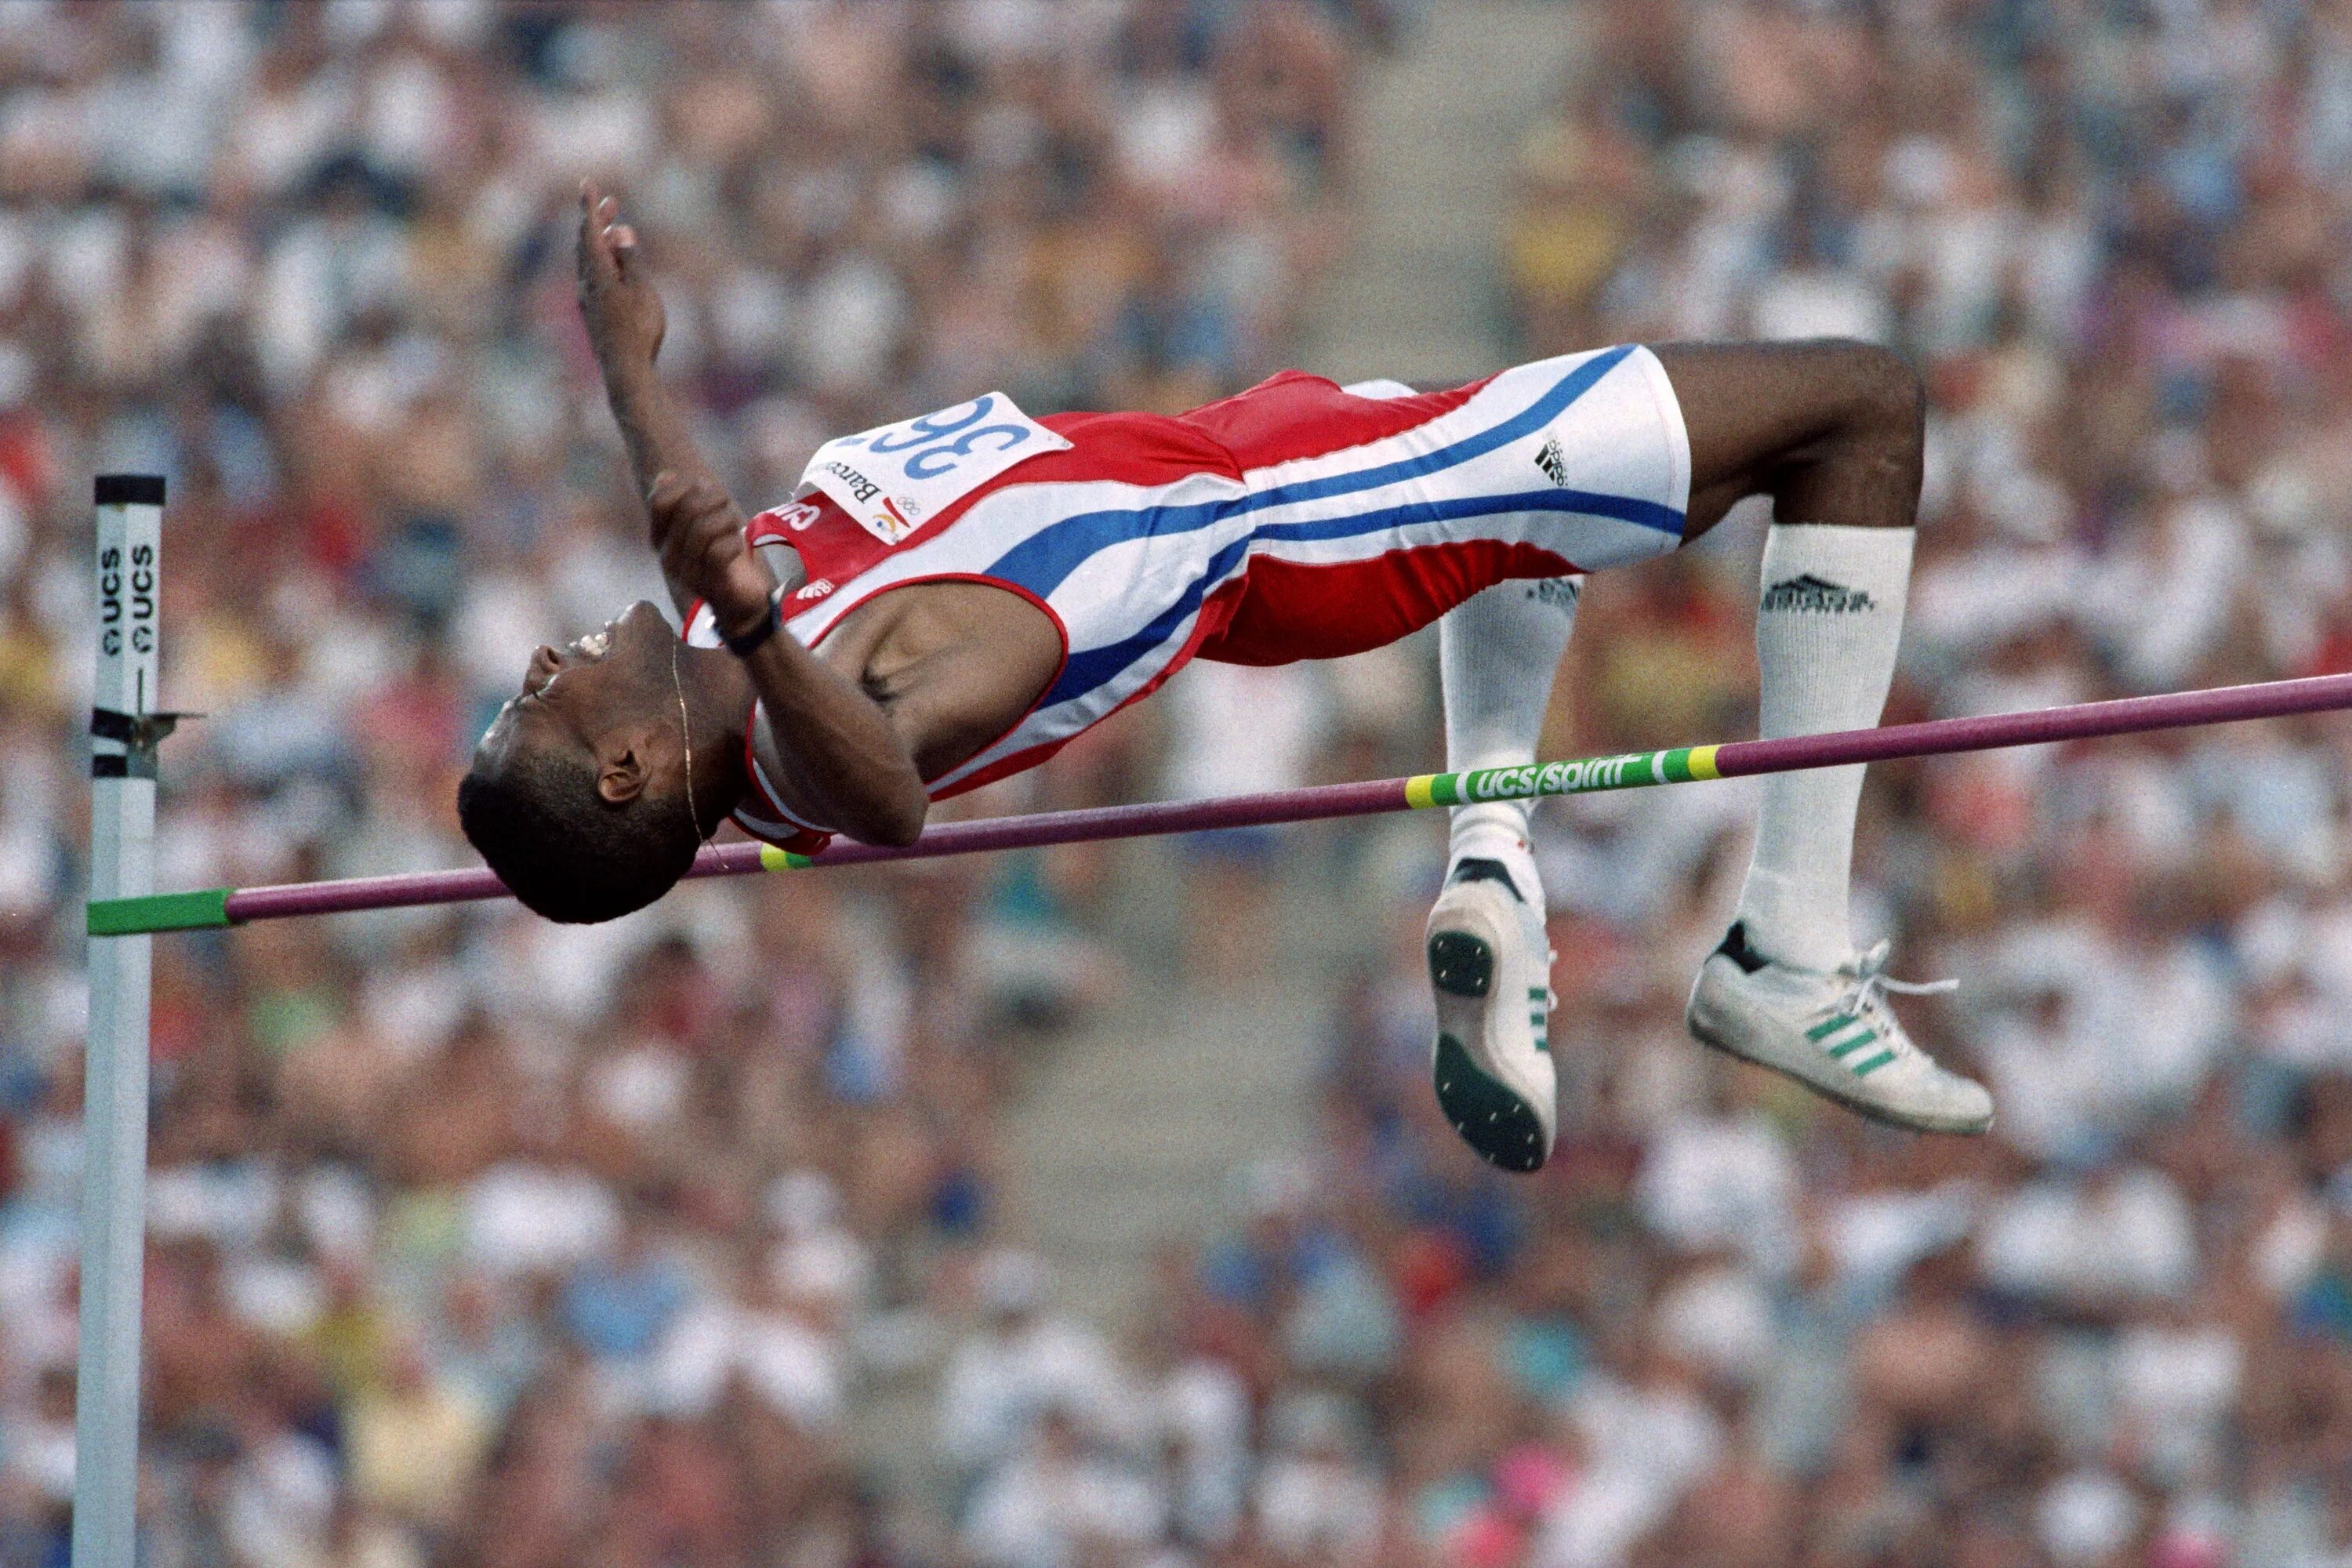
point(1863, 1070)
point(1823, 1030)
point(1846, 1047)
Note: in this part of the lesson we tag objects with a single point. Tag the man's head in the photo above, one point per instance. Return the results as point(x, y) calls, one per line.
point(577, 796)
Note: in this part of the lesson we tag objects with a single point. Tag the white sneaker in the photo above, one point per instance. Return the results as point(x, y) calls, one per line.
point(1834, 1033)
point(1490, 965)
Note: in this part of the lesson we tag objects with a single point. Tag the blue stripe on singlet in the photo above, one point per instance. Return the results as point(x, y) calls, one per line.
point(1098, 667)
point(1087, 670)
point(1041, 561)
point(1583, 503)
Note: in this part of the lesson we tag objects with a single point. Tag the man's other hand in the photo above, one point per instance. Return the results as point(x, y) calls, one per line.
point(617, 300)
point(698, 532)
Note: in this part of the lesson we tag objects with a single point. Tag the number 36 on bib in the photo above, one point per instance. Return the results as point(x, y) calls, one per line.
point(895, 477)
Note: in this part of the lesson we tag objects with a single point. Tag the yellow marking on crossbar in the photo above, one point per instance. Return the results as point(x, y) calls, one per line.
point(1416, 791)
point(1702, 763)
point(774, 859)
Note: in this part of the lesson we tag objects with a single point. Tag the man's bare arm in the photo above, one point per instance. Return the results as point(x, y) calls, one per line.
point(626, 322)
point(843, 758)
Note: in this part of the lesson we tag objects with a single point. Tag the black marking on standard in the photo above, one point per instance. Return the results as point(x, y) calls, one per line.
point(140, 733)
point(129, 490)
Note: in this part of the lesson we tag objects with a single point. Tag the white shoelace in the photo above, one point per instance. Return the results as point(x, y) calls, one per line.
point(1867, 997)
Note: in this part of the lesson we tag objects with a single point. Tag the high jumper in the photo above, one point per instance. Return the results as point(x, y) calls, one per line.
point(950, 599)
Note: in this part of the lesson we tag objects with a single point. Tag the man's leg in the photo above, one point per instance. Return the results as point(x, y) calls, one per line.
point(1489, 960)
point(1832, 432)
point(1497, 652)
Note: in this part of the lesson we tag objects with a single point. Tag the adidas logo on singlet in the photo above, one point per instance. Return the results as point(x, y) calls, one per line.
point(1816, 593)
point(1553, 463)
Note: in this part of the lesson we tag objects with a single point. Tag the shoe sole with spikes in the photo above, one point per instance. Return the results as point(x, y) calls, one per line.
point(1505, 1115)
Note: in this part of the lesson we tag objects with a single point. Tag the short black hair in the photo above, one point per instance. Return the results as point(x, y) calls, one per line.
point(561, 847)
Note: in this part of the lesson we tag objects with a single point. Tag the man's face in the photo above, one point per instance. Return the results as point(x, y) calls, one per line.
point(600, 697)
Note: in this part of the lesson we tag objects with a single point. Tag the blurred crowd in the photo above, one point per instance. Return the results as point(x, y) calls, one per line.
point(691, 1240)
point(474, 1240)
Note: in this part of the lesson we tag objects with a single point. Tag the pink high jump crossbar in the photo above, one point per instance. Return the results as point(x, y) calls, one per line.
point(1680, 765)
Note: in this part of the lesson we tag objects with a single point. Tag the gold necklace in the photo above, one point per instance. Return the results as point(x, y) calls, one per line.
point(686, 739)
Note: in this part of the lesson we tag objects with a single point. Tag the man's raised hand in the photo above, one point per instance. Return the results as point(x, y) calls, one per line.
point(694, 527)
point(698, 532)
point(617, 300)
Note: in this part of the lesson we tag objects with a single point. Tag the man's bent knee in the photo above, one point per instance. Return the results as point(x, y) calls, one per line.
point(1883, 413)
point(1831, 428)
point(1888, 395)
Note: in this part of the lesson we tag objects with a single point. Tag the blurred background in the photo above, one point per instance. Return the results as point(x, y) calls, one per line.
point(1087, 1208)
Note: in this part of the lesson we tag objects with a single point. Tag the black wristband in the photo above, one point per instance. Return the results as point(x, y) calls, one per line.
point(750, 642)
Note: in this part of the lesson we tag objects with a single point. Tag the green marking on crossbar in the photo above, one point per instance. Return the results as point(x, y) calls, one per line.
point(1585, 775)
point(160, 912)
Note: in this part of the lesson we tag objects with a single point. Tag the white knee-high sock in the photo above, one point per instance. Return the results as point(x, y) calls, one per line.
point(1826, 630)
point(1497, 652)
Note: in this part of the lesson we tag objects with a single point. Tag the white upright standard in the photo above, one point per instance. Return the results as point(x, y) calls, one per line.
point(125, 725)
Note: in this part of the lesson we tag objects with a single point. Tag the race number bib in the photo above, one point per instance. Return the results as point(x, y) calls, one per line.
point(894, 478)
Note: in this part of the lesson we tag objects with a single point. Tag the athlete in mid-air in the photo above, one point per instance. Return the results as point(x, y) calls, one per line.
point(950, 599)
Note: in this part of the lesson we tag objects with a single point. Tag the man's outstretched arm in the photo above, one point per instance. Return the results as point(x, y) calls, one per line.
point(845, 761)
point(626, 322)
